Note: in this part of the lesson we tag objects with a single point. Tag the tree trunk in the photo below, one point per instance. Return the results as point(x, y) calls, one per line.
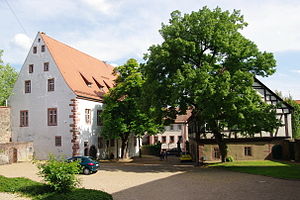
point(222, 145)
point(124, 144)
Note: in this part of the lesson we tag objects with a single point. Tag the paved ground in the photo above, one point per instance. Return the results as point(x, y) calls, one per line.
point(151, 179)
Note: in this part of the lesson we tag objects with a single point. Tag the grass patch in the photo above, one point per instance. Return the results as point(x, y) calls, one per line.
point(40, 191)
point(266, 167)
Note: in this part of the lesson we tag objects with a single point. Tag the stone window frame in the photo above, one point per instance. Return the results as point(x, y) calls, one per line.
point(52, 116)
point(51, 85)
point(88, 116)
point(43, 48)
point(24, 118)
point(163, 139)
point(58, 141)
point(171, 139)
point(46, 66)
point(99, 120)
point(248, 151)
point(30, 68)
point(27, 87)
point(34, 50)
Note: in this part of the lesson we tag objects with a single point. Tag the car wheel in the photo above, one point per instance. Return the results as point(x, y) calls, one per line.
point(86, 171)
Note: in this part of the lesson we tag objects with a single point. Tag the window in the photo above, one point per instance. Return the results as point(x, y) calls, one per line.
point(23, 118)
point(99, 121)
point(171, 127)
point(46, 66)
point(163, 139)
point(50, 84)
point(43, 48)
point(248, 151)
point(31, 68)
point(171, 139)
point(28, 86)
point(58, 141)
point(216, 153)
point(88, 116)
point(52, 117)
point(39, 39)
point(155, 139)
point(179, 126)
point(34, 50)
point(112, 142)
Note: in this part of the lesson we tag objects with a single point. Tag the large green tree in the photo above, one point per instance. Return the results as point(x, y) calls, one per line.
point(204, 63)
point(122, 114)
point(8, 77)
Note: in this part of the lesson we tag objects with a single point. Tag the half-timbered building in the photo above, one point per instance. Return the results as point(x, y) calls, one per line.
point(242, 147)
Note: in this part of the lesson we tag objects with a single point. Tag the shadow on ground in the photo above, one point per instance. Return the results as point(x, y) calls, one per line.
point(149, 164)
point(217, 184)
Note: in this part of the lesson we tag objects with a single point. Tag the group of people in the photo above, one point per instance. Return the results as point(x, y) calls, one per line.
point(163, 154)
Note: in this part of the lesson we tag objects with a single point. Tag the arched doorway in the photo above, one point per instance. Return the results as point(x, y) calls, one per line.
point(93, 152)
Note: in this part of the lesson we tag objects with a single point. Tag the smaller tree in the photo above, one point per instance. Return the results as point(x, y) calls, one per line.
point(60, 175)
point(8, 77)
point(123, 114)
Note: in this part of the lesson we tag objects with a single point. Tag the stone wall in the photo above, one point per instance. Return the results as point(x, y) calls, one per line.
point(16, 152)
point(5, 129)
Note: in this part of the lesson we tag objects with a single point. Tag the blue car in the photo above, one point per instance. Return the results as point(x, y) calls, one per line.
point(88, 165)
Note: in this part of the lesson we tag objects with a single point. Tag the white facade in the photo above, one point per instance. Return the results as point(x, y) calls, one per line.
point(37, 103)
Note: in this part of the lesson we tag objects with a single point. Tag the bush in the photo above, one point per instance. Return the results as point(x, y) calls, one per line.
point(152, 149)
point(229, 159)
point(60, 175)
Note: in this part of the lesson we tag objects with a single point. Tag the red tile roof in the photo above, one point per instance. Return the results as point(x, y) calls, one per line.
point(84, 74)
point(297, 101)
point(183, 118)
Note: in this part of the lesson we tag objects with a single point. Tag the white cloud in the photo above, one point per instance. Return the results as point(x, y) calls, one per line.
point(297, 71)
point(103, 6)
point(22, 40)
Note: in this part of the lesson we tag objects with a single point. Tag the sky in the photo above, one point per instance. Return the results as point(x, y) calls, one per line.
point(116, 30)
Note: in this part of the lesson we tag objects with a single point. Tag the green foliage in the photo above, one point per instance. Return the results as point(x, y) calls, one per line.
point(265, 167)
point(229, 159)
point(205, 63)
point(8, 77)
point(295, 117)
point(123, 114)
point(40, 191)
point(60, 175)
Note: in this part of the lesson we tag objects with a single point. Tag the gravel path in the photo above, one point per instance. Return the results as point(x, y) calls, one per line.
point(151, 179)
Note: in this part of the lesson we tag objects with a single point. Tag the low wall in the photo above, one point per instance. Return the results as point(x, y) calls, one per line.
point(16, 152)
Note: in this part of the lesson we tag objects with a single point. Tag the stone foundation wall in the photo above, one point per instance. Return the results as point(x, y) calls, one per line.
point(5, 130)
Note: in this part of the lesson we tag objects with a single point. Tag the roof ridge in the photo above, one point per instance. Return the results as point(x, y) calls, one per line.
point(106, 64)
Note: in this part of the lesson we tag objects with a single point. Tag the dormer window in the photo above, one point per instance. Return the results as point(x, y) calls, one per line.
point(43, 48)
point(87, 82)
point(30, 68)
point(98, 84)
point(34, 50)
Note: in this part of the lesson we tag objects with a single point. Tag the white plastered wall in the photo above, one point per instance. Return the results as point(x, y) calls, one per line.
point(37, 103)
